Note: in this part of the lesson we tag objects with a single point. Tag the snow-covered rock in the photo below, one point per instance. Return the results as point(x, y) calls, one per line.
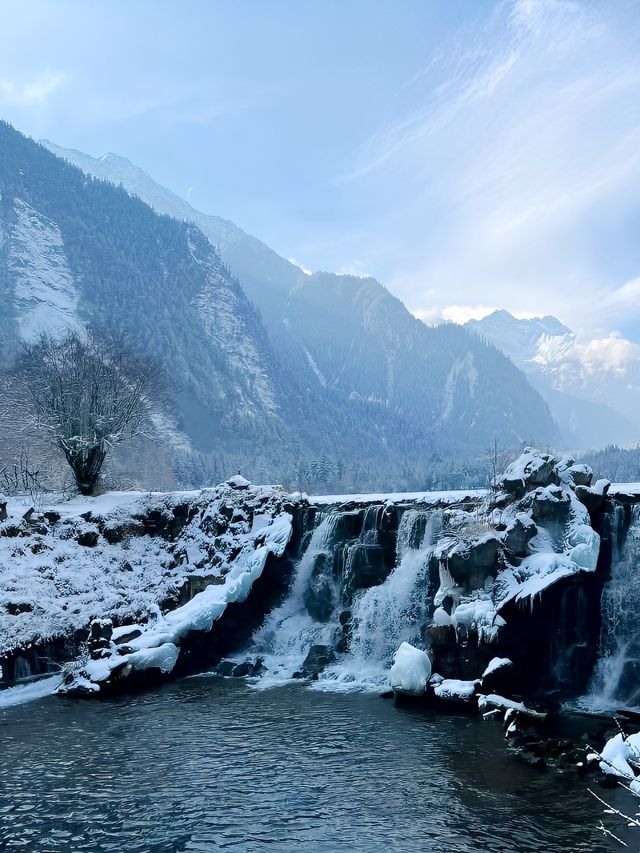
point(411, 670)
point(621, 757)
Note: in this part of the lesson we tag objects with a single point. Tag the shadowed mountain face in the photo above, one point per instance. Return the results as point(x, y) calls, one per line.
point(327, 371)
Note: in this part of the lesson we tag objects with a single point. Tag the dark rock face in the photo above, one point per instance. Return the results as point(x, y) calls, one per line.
point(319, 597)
point(118, 532)
point(317, 659)
point(518, 535)
point(88, 538)
point(551, 503)
point(364, 567)
point(471, 563)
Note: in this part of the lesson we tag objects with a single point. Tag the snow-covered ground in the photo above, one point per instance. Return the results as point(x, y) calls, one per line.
point(446, 497)
point(97, 559)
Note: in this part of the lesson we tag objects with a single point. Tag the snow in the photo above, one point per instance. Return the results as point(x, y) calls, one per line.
point(158, 645)
point(60, 585)
point(452, 689)
point(46, 296)
point(410, 671)
point(625, 489)
point(495, 664)
point(620, 756)
point(448, 497)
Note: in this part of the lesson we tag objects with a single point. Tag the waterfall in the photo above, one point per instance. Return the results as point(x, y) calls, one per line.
point(616, 679)
point(384, 616)
point(378, 619)
point(290, 630)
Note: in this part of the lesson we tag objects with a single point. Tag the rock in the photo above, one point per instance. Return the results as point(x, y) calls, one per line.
point(518, 534)
point(248, 668)
point(3, 508)
point(364, 567)
point(52, 516)
point(532, 468)
point(117, 532)
point(88, 538)
point(226, 667)
point(15, 608)
point(99, 641)
point(550, 504)
point(128, 636)
point(317, 659)
point(499, 677)
point(319, 594)
point(238, 482)
point(593, 497)
point(472, 562)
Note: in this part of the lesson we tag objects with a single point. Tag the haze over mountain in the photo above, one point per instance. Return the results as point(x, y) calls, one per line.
point(329, 371)
point(591, 385)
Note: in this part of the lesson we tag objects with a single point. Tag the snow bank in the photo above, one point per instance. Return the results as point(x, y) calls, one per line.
point(410, 671)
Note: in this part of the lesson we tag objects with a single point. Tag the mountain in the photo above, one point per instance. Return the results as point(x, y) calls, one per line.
point(591, 393)
point(422, 392)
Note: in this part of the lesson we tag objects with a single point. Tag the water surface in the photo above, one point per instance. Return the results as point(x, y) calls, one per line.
point(207, 764)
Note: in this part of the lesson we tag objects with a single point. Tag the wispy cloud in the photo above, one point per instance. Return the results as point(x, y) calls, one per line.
point(27, 93)
point(520, 152)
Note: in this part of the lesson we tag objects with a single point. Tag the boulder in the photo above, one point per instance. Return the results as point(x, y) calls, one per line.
point(119, 531)
point(550, 504)
point(593, 497)
point(518, 534)
point(410, 671)
point(472, 562)
point(531, 469)
point(3, 508)
point(498, 677)
point(99, 641)
point(317, 659)
point(88, 538)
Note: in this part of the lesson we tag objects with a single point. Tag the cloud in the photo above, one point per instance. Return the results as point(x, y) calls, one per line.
point(612, 354)
point(514, 177)
point(37, 90)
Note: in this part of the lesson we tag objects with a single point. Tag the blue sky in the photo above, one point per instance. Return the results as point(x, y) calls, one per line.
point(469, 154)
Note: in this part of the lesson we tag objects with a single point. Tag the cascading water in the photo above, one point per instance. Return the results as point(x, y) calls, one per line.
point(616, 680)
point(385, 615)
point(290, 630)
point(381, 617)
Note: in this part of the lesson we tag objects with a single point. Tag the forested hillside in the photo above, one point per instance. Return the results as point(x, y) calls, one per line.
point(425, 393)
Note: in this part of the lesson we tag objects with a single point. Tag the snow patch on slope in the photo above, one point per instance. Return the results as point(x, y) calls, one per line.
point(46, 296)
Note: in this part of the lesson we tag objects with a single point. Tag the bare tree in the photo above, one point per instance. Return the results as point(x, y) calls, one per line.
point(86, 396)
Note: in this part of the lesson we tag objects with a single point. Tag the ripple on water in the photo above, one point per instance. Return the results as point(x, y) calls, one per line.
point(209, 764)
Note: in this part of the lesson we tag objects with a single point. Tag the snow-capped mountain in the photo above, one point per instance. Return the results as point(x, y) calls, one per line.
point(592, 385)
point(329, 373)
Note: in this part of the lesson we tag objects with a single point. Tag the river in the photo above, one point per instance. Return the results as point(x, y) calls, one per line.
point(207, 764)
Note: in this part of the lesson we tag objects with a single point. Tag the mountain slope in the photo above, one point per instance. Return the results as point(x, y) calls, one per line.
point(347, 340)
point(592, 397)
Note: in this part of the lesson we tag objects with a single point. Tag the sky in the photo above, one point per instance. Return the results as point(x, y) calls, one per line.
point(471, 155)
